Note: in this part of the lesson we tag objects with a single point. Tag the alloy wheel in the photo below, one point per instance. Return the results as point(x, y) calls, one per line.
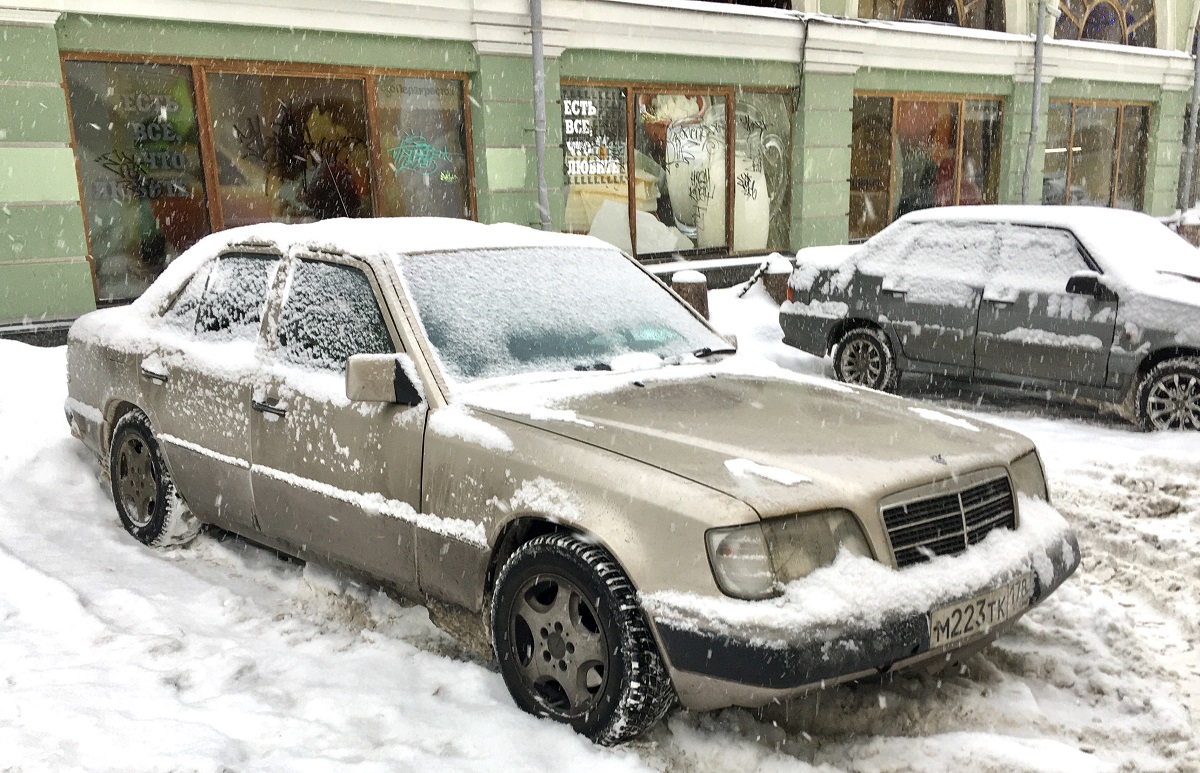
point(561, 649)
point(861, 362)
point(136, 483)
point(1173, 402)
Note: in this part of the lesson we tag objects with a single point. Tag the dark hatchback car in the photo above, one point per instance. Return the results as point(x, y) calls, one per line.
point(1099, 305)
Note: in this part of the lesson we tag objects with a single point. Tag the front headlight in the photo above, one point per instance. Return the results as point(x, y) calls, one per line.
point(1028, 477)
point(754, 561)
point(801, 544)
point(740, 562)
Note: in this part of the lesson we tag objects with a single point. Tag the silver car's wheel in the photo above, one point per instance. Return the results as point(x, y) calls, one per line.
point(864, 356)
point(143, 491)
point(1169, 395)
point(572, 642)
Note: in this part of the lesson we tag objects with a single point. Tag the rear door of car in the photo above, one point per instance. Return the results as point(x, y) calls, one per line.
point(335, 478)
point(1030, 328)
point(928, 287)
point(198, 383)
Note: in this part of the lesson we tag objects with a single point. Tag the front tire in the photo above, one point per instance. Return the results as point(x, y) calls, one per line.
point(572, 642)
point(864, 356)
point(149, 506)
point(1169, 395)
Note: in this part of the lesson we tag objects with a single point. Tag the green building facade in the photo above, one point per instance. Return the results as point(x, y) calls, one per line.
point(675, 130)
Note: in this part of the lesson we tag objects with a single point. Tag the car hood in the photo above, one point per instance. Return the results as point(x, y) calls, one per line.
point(780, 445)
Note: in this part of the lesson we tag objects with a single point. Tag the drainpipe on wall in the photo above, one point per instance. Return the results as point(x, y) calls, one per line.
point(539, 110)
point(1187, 185)
point(1039, 48)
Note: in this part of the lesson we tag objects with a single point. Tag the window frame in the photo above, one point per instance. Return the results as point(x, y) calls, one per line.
point(1116, 175)
point(730, 95)
point(201, 67)
point(910, 96)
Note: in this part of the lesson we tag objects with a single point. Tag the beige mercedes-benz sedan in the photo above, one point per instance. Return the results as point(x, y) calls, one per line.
point(533, 436)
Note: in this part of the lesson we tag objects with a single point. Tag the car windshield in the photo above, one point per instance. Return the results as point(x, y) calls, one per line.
point(508, 312)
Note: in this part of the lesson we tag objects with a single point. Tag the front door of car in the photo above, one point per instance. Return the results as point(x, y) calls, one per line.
point(929, 290)
point(1030, 328)
point(199, 382)
point(337, 479)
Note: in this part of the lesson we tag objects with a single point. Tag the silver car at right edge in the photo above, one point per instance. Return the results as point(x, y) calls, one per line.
point(1097, 305)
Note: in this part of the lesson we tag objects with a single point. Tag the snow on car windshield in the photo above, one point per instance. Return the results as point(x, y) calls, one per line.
point(514, 311)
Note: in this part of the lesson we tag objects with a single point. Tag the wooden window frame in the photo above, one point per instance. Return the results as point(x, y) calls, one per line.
point(729, 93)
point(960, 100)
point(1117, 137)
point(201, 67)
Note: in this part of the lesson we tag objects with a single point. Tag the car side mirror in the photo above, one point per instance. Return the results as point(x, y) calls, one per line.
point(380, 378)
point(1089, 283)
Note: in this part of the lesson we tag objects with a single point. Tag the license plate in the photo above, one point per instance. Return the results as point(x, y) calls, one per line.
point(964, 619)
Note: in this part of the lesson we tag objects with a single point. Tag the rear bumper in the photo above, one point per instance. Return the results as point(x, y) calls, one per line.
point(717, 669)
point(805, 331)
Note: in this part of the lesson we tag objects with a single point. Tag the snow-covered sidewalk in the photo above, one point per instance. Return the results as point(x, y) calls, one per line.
point(222, 656)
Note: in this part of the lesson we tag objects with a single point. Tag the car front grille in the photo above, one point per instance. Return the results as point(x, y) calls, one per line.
point(947, 524)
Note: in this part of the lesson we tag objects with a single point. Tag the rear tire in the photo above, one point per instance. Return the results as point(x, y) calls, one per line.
point(149, 506)
point(1168, 396)
point(864, 356)
point(572, 641)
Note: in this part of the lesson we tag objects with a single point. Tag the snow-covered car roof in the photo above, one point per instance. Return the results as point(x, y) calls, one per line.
point(385, 237)
point(1128, 244)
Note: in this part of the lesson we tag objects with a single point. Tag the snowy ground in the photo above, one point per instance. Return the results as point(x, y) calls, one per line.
point(222, 657)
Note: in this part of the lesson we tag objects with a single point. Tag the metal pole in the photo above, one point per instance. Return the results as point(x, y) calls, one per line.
point(539, 110)
point(1039, 47)
point(1186, 192)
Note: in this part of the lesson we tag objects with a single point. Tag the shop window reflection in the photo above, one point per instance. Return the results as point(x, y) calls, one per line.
point(681, 188)
point(1096, 155)
point(289, 149)
point(914, 154)
point(423, 147)
point(137, 144)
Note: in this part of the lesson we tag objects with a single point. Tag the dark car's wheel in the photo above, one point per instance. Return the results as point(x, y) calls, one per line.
point(1169, 395)
point(864, 356)
point(572, 642)
point(147, 502)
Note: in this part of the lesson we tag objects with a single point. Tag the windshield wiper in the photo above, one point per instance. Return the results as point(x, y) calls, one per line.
point(708, 351)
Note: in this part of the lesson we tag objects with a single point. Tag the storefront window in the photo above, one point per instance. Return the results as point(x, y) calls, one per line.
point(289, 149)
point(137, 144)
point(595, 149)
point(680, 141)
point(423, 137)
point(1096, 155)
point(276, 148)
point(681, 187)
point(761, 165)
point(1131, 22)
point(910, 154)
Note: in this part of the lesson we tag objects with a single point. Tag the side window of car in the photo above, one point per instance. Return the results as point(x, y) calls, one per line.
point(233, 301)
point(330, 313)
point(1037, 259)
point(182, 312)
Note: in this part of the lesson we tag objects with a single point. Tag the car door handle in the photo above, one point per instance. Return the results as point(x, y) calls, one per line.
point(262, 407)
point(1001, 302)
point(154, 376)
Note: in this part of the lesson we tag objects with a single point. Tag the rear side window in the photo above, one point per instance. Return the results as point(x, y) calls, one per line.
point(234, 296)
point(330, 313)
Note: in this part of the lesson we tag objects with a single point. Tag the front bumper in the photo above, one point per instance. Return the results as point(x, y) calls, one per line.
point(734, 668)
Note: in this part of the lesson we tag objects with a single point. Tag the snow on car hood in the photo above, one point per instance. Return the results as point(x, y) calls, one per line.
point(779, 445)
